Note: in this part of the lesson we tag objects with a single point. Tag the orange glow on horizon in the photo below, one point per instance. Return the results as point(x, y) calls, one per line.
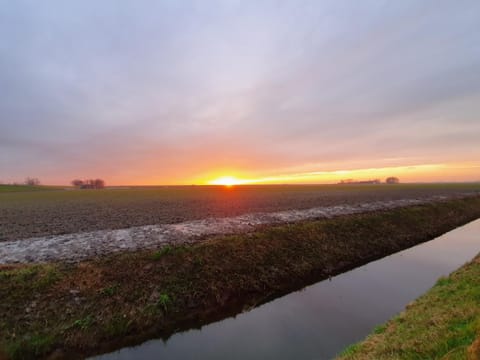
point(410, 173)
point(227, 181)
point(214, 174)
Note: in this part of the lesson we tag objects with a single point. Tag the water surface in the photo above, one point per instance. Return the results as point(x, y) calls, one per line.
point(320, 320)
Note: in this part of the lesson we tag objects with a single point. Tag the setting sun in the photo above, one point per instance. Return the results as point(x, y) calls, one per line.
point(226, 181)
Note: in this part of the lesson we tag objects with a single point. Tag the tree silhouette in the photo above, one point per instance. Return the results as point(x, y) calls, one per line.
point(32, 181)
point(392, 180)
point(77, 182)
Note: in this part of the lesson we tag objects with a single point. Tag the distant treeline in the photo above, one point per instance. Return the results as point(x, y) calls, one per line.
point(29, 181)
point(389, 180)
point(89, 183)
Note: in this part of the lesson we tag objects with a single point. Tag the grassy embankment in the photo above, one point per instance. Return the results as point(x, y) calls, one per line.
point(102, 304)
point(442, 324)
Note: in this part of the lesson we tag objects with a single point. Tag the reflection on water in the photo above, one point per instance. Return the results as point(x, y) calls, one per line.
point(319, 321)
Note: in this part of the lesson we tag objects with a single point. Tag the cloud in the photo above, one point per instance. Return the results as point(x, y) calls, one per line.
point(166, 91)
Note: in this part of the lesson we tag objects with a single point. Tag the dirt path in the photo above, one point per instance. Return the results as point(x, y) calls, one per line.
point(82, 245)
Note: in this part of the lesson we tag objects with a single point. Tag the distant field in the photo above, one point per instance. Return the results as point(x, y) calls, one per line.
point(27, 188)
point(26, 214)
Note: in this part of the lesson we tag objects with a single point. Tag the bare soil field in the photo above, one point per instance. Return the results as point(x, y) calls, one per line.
point(88, 244)
point(41, 213)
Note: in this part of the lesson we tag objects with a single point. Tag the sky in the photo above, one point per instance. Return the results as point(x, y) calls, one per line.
point(183, 92)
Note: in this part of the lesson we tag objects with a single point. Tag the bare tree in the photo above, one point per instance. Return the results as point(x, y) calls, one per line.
point(32, 181)
point(77, 182)
point(392, 180)
point(99, 184)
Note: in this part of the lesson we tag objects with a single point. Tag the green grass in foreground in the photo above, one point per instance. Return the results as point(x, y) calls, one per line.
point(442, 324)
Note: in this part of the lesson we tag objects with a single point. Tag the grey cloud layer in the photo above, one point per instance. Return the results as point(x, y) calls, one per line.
point(86, 85)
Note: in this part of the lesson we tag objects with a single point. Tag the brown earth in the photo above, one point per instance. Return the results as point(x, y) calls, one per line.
point(41, 213)
point(473, 352)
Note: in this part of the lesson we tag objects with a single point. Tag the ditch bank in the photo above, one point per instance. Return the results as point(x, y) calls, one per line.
point(444, 323)
point(90, 307)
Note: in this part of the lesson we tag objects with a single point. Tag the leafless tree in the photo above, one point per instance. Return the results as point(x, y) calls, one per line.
point(32, 181)
point(392, 180)
point(99, 184)
point(77, 182)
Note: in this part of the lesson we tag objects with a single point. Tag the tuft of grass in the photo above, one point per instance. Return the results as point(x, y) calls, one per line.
point(83, 323)
point(380, 329)
point(31, 277)
point(118, 325)
point(50, 276)
point(30, 348)
point(351, 350)
point(443, 281)
point(20, 275)
point(110, 290)
point(164, 301)
point(157, 255)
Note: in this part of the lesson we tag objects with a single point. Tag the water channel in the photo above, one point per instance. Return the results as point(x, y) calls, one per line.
point(322, 319)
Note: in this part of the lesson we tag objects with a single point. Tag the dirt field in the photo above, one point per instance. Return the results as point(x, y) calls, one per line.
point(40, 213)
point(90, 244)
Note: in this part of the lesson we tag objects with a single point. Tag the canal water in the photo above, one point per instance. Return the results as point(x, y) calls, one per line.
point(322, 319)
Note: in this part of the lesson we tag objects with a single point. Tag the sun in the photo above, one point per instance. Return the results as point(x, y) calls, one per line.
point(227, 181)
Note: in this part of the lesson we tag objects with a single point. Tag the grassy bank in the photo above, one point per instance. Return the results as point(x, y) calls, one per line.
point(102, 304)
point(442, 324)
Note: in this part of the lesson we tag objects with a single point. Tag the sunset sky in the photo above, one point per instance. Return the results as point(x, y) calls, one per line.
point(182, 92)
